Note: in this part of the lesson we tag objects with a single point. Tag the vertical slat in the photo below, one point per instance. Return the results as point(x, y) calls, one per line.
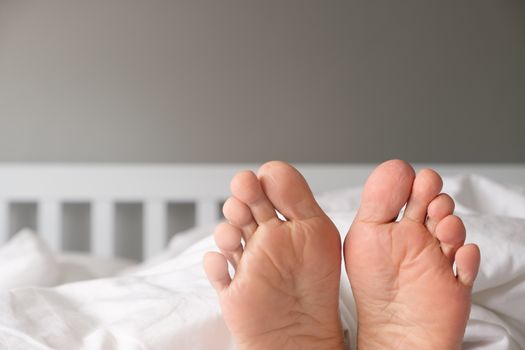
point(103, 228)
point(207, 211)
point(49, 222)
point(4, 220)
point(154, 232)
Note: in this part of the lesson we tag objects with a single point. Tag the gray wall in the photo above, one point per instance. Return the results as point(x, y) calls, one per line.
point(304, 81)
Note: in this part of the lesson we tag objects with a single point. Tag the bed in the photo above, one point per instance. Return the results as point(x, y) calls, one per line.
point(99, 299)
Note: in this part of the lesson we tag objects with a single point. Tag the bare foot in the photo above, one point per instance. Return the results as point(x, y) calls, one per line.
point(284, 294)
point(407, 294)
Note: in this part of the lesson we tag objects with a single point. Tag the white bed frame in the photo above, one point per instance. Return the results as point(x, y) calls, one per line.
point(156, 185)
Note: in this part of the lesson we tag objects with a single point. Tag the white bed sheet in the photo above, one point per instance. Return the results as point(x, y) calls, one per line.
point(167, 303)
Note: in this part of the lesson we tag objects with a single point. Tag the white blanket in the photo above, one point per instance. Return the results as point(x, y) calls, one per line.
point(167, 303)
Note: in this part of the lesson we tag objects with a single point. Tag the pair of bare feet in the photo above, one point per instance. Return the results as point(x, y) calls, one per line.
point(285, 290)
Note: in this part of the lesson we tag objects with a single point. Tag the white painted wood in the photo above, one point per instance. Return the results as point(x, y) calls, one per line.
point(206, 211)
point(103, 228)
point(203, 184)
point(4, 220)
point(154, 232)
point(49, 222)
point(186, 182)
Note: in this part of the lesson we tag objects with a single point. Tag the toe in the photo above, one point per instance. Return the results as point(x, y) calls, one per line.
point(228, 239)
point(239, 215)
point(216, 268)
point(288, 191)
point(451, 233)
point(386, 191)
point(246, 187)
point(426, 187)
point(467, 264)
point(439, 208)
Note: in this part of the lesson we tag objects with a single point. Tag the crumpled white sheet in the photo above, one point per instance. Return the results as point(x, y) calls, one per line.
point(26, 261)
point(168, 304)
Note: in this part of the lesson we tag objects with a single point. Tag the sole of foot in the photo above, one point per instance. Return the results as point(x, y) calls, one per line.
point(407, 293)
point(284, 293)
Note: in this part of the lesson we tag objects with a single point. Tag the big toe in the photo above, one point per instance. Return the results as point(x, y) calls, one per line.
point(288, 191)
point(386, 192)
